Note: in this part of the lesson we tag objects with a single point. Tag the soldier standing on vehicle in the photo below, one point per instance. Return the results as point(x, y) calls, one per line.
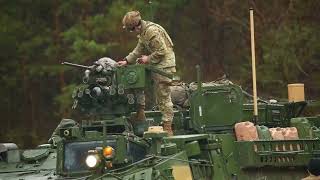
point(155, 48)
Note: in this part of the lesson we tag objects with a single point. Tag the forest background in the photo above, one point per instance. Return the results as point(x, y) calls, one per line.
point(36, 35)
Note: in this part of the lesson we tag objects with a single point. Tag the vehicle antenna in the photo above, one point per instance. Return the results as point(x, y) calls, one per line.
point(253, 57)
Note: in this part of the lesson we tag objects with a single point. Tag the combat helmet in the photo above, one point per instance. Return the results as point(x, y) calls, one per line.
point(131, 20)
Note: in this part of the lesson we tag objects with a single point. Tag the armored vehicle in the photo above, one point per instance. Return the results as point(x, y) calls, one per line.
point(108, 143)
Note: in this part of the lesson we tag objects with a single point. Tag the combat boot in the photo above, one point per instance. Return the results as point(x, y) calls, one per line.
point(167, 126)
point(140, 116)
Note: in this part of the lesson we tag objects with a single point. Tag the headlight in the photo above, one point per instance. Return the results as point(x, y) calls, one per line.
point(108, 152)
point(94, 157)
point(92, 160)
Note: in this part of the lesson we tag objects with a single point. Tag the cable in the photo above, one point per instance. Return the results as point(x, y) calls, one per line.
point(191, 162)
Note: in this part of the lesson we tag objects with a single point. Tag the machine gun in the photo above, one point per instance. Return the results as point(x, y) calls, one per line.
point(77, 65)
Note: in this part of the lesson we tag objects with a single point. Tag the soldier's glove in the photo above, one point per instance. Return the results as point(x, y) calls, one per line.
point(143, 59)
point(123, 62)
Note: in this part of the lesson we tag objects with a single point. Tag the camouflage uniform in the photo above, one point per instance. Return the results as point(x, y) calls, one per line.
point(154, 41)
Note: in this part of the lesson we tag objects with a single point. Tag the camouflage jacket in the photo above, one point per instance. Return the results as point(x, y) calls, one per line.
point(156, 43)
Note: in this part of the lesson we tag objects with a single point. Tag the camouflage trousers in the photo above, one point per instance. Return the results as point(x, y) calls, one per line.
point(163, 94)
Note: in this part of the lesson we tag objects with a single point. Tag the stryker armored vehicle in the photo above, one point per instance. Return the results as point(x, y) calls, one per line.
point(107, 143)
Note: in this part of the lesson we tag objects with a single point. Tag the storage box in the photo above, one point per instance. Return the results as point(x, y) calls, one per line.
point(296, 92)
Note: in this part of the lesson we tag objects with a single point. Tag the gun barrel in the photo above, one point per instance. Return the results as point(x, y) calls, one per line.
point(76, 65)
